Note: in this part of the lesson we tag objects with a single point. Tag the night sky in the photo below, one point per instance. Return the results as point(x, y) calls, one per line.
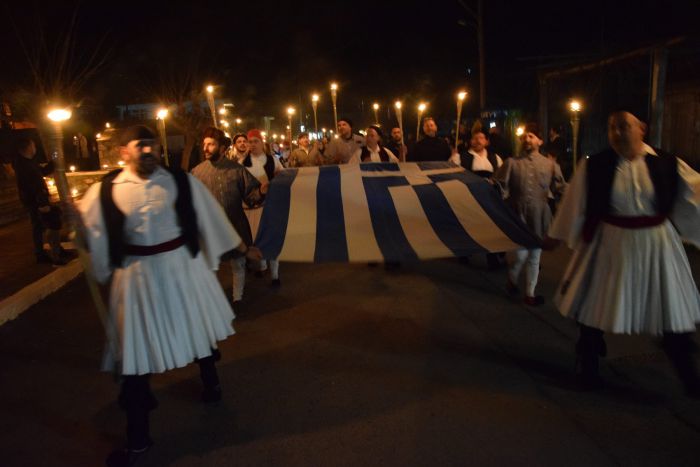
point(266, 55)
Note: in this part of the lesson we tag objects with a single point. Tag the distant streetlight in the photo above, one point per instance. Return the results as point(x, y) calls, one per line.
point(460, 100)
point(334, 97)
point(399, 117)
point(575, 108)
point(161, 115)
point(314, 104)
point(108, 125)
point(210, 101)
point(520, 131)
point(375, 107)
point(290, 112)
point(421, 109)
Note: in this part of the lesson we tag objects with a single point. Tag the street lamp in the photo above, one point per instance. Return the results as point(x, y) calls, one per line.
point(460, 100)
point(314, 104)
point(399, 117)
point(223, 111)
point(108, 125)
point(421, 109)
point(57, 117)
point(375, 106)
point(520, 131)
point(161, 115)
point(210, 101)
point(575, 108)
point(238, 124)
point(334, 96)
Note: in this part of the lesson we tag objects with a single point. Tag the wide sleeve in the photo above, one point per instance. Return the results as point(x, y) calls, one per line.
point(90, 209)
point(249, 188)
point(216, 234)
point(392, 156)
point(502, 177)
point(686, 210)
point(571, 212)
point(355, 159)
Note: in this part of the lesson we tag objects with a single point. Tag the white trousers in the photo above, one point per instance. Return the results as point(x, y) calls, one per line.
point(531, 260)
point(274, 267)
point(238, 268)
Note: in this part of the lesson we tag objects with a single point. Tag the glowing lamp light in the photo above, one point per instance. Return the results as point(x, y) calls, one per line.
point(98, 135)
point(290, 110)
point(226, 133)
point(375, 106)
point(520, 131)
point(238, 121)
point(108, 125)
point(422, 106)
point(225, 124)
point(50, 182)
point(492, 124)
point(314, 98)
point(264, 134)
point(71, 168)
point(210, 89)
point(105, 166)
point(282, 137)
point(575, 106)
point(59, 115)
point(462, 95)
point(74, 192)
point(222, 111)
point(334, 87)
point(397, 104)
point(323, 130)
point(162, 114)
point(120, 163)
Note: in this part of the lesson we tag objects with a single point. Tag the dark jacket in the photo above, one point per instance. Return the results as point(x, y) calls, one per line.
point(32, 188)
point(429, 149)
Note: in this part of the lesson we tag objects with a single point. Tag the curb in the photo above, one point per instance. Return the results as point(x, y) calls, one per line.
point(14, 305)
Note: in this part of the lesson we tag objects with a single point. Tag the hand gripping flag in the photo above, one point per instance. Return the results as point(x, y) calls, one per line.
point(385, 212)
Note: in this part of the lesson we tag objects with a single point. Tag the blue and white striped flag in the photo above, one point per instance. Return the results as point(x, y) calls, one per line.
point(385, 212)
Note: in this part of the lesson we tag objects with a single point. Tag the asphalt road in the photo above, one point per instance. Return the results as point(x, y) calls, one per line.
point(352, 365)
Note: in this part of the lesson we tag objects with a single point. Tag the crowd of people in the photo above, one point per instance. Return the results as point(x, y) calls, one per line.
point(159, 233)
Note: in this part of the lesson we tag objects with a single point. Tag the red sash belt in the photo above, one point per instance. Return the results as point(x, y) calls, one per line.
point(640, 222)
point(148, 250)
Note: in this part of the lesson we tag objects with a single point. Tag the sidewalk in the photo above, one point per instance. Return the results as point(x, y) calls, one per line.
point(23, 282)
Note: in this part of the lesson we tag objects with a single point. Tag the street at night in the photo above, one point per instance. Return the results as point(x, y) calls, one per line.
point(352, 365)
point(454, 233)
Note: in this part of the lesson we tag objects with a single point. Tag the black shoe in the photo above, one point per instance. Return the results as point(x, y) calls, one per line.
point(512, 289)
point(211, 395)
point(276, 283)
point(537, 300)
point(43, 258)
point(59, 261)
point(126, 457)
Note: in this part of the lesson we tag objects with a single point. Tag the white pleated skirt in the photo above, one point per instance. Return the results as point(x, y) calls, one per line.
point(169, 309)
point(631, 281)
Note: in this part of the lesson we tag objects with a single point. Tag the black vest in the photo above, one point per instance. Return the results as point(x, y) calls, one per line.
point(467, 160)
point(366, 157)
point(269, 165)
point(114, 218)
point(600, 173)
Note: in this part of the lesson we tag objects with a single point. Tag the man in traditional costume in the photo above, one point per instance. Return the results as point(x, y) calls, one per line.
point(264, 167)
point(624, 214)
point(373, 151)
point(528, 182)
point(231, 184)
point(158, 235)
point(481, 161)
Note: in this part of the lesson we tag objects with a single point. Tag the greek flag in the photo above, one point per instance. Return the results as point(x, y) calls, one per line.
point(385, 212)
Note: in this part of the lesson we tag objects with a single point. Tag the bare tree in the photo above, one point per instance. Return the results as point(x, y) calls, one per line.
point(61, 64)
